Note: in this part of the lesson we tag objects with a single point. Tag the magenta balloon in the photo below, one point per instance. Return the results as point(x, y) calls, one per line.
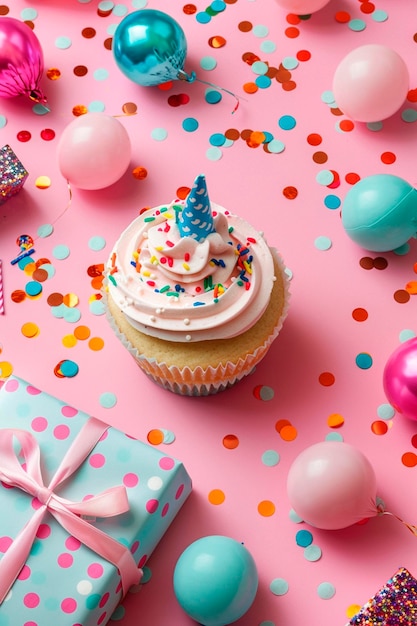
point(332, 485)
point(302, 7)
point(21, 61)
point(371, 83)
point(400, 379)
point(94, 151)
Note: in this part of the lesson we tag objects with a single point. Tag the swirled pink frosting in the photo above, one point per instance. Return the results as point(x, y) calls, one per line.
point(179, 289)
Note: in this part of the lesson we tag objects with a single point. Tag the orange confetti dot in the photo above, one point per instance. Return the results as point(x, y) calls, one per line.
point(250, 88)
point(166, 86)
point(266, 508)
point(43, 182)
point(217, 42)
point(335, 420)
point(97, 282)
point(30, 330)
point(6, 369)
point(245, 26)
point(379, 427)
point(346, 125)
point(292, 32)
point(250, 58)
point(409, 459)
point(230, 442)
point(182, 192)
point(411, 287)
point(129, 108)
point(232, 134)
point(79, 109)
point(280, 424)
point(343, 17)
point(82, 332)
point(288, 433)
point(30, 268)
point(388, 158)
point(216, 496)
point(326, 379)
point(70, 299)
point(359, 314)
point(189, 9)
point(140, 173)
point(289, 85)
point(96, 344)
point(53, 73)
point(290, 192)
point(155, 436)
point(18, 295)
point(412, 95)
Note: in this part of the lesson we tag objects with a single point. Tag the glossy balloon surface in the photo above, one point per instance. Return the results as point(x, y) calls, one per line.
point(302, 7)
point(400, 379)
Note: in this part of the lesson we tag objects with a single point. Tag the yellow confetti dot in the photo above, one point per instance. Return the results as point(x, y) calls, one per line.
point(6, 369)
point(155, 436)
point(82, 332)
point(71, 300)
point(96, 343)
point(30, 268)
point(216, 496)
point(69, 341)
point(352, 610)
point(335, 420)
point(266, 508)
point(30, 329)
point(43, 182)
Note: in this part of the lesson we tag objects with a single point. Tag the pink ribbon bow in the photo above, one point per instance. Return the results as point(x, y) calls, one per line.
point(110, 502)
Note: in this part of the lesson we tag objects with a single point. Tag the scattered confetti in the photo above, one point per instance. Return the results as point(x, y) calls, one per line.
point(279, 586)
point(108, 400)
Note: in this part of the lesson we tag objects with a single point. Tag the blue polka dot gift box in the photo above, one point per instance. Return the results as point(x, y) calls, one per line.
point(86, 506)
point(13, 175)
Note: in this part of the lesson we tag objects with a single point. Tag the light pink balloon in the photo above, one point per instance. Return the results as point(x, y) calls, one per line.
point(302, 7)
point(371, 83)
point(94, 151)
point(332, 485)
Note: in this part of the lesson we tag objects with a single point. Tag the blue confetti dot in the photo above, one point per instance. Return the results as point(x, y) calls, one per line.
point(385, 411)
point(332, 202)
point(290, 63)
point(120, 10)
point(260, 30)
point(118, 613)
point(96, 106)
point(287, 122)
point(213, 97)
point(263, 82)
point(217, 139)
point(214, 153)
point(304, 538)
point(334, 436)
point(357, 25)
point(97, 307)
point(325, 177)
point(108, 400)
point(3, 121)
point(270, 458)
point(208, 63)
point(71, 314)
point(326, 591)
point(190, 124)
point(363, 360)
point(69, 369)
point(63, 43)
point(96, 243)
point(28, 15)
point(159, 134)
point(268, 46)
point(374, 126)
point(379, 15)
point(328, 97)
point(58, 311)
point(202, 17)
point(279, 586)
point(409, 115)
point(312, 553)
point(276, 146)
point(33, 288)
point(101, 74)
point(45, 230)
point(61, 252)
point(259, 67)
point(40, 109)
point(294, 517)
point(323, 243)
point(406, 334)
point(218, 6)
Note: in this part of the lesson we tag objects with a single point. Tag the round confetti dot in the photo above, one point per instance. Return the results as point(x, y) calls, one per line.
point(96, 344)
point(288, 432)
point(385, 411)
point(379, 428)
point(208, 63)
point(332, 202)
point(363, 360)
point(30, 330)
point(6, 369)
point(326, 379)
point(279, 586)
point(325, 177)
point(97, 307)
point(190, 124)
point(155, 436)
point(33, 288)
point(409, 459)
point(96, 243)
point(69, 341)
point(140, 173)
point(406, 334)
point(303, 538)
point(266, 508)
point(276, 146)
point(69, 368)
point(357, 25)
point(323, 243)
point(312, 553)
point(290, 192)
point(214, 154)
point(159, 134)
point(359, 314)
point(268, 46)
point(213, 97)
point(216, 496)
point(270, 458)
point(326, 591)
point(334, 436)
point(335, 420)
point(63, 42)
point(379, 15)
point(61, 252)
point(230, 442)
point(82, 332)
point(3, 121)
point(287, 122)
point(43, 182)
point(107, 400)
point(45, 230)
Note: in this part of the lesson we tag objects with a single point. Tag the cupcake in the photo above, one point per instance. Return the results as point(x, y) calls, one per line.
point(195, 294)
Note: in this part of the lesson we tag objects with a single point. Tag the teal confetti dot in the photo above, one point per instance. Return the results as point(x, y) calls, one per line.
point(3, 121)
point(328, 97)
point(61, 252)
point(97, 307)
point(118, 613)
point(323, 243)
point(326, 591)
point(208, 63)
point(357, 25)
point(190, 124)
point(304, 538)
point(69, 369)
point(268, 46)
point(101, 74)
point(406, 334)
point(96, 106)
point(374, 126)
point(263, 82)
point(139, 4)
point(276, 146)
point(259, 67)
point(379, 15)
point(92, 601)
point(228, 143)
point(202, 17)
point(385, 411)
point(402, 250)
point(268, 136)
point(213, 97)
point(312, 553)
point(147, 574)
point(40, 109)
point(279, 586)
point(214, 154)
point(169, 436)
point(28, 15)
point(325, 177)
point(260, 30)
point(63, 43)
point(270, 458)
point(287, 122)
point(96, 243)
point(294, 517)
point(45, 230)
point(106, 5)
point(409, 115)
point(72, 315)
point(332, 202)
point(58, 311)
point(23, 262)
point(107, 400)
point(49, 268)
point(217, 139)
point(33, 288)
point(334, 436)
point(290, 63)
point(159, 134)
point(363, 360)
point(218, 6)
point(120, 10)
point(266, 393)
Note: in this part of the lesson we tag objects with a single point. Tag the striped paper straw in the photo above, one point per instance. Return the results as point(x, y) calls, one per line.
point(1, 290)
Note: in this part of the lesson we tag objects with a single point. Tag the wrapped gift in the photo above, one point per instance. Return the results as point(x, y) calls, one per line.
point(83, 507)
point(12, 174)
point(394, 604)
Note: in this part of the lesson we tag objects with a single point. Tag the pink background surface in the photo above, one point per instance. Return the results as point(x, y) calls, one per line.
point(320, 334)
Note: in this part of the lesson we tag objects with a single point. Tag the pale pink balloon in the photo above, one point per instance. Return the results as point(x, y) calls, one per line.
point(302, 7)
point(371, 83)
point(332, 485)
point(94, 151)
point(21, 61)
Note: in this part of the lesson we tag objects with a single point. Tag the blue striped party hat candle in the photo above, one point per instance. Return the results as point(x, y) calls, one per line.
point(196, 220)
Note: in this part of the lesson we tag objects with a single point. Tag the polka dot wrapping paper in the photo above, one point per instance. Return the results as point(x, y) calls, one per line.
point(284, 159)
point(62, 580)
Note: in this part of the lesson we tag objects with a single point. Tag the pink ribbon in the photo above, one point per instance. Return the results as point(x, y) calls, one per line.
point(108, 503)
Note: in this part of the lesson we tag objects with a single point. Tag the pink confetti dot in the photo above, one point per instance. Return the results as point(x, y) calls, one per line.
point(61, 432)
point(39, 424)
point(5, 543)
point(31, 600)
point(33, 391)
point(97, 460)
point(30, 624)
point(72, 543)
point(44, 531)
point(130, 479)
point(11, 385)
point(25, 573)
point(152, 505)
point(65, 560)
point(68, 411)
point(69, 605)
point(95, 570)
point(166, 463)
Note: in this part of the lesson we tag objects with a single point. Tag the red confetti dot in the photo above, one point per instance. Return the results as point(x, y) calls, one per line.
point(48, 134)
point(342, 17)
point(326, 379)
point(303, 55)
point(292, 32)
point(24, 135)
point(388, 158)
point(352, 178)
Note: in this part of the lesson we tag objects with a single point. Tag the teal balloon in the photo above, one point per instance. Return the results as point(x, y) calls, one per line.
point(215, 580)
point(380, 212)
point(150, 47)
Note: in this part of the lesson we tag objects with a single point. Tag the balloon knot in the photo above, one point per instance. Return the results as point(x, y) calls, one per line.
point(190, 78)
point(37, 96)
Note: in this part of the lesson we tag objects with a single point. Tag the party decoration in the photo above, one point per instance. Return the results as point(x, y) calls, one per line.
point(302, 7)
point(332, 485)
point(1, 289)
point(150, 47)
point(21, 61)
point(371, 83)
point(196, 220)
point(380, 212)
point(400, 379)
point(215, 580)
point(13, 175)
point(94, 151)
